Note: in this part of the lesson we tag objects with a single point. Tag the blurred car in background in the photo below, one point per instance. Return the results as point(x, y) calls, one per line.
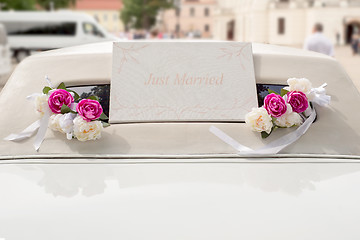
point(38, 31)
point(5, 56)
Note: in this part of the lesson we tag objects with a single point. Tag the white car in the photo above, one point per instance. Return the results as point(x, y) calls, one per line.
point(177, 180)
point(37, 31)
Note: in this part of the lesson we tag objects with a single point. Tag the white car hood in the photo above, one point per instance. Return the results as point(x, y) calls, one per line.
point(286, 199)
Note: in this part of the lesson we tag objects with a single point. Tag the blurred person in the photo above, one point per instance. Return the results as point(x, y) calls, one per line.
point(355, 43)
point(190, 35)
point(337, 38)
point(154, 34)
point(317, 42)
point(139, 34)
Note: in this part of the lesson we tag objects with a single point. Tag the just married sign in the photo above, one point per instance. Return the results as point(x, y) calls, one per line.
point(181, 81)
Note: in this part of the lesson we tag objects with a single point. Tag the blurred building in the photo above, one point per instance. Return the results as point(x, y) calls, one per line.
point(191, 18)
point(106, 12)
point(286, 22)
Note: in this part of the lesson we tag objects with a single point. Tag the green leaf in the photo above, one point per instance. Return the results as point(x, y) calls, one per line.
point(65, 109)
point(271, 91)
point(105, 124)
point(46, 90)
point(283, 92)
point(96, 98)
point(76, 95)
point(103, 117)
point(61, 86)
point(265, 134)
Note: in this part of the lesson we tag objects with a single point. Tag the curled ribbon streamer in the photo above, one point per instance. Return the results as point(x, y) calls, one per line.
point(271, 148)
point(229, 140)
point(40, 125)
point(26, 133)
point(49, 81)
point(44, 121)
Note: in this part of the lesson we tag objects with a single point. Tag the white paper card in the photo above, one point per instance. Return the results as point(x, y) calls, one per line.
point(181, 81)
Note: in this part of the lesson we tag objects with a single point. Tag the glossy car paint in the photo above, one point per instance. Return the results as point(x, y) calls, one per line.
point(177, 180)
point(171, 200)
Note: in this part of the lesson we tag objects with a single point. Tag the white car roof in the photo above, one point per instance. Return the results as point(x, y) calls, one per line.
point(335, 132)
point(52, 16)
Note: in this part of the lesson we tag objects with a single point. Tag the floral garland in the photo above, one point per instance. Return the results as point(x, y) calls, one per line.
point(82, 119)
point(282, 110)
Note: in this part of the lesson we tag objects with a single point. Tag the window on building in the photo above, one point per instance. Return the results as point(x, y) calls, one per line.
point(177, 28)
point(284, 1)
point(177, 12)
point(206, 12)
point(192, 12)
point(281, 26)
point(115, 17)
point(206, 28)
point(105, 17)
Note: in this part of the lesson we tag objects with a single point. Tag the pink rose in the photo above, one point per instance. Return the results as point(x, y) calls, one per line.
point(58, 98)
point(89, 109)
point(298, 101)
point(275, 105)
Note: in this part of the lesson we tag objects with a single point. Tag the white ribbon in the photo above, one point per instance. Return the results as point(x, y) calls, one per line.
point(271, 148)
point(26, 133)
point(48, 81)
point(40, 125)
point(44, 122)
point(318, 95)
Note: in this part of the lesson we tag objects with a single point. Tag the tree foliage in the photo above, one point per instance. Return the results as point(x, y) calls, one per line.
point(103, 93)
point(56, 3)
point(141, 14)
point(17, 4)
point(30, 4)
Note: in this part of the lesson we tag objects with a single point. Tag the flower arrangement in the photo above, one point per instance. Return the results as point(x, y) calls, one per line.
point(282, 110)
point(82, 119)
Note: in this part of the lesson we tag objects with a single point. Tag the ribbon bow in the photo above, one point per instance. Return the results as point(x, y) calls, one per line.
point(40, 125)
point(318, 95)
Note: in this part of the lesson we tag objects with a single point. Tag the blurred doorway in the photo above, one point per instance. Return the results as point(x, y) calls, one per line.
point(351, 29)
point(230, 30)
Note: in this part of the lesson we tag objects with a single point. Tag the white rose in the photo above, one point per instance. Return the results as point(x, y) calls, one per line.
point(289, 119)
point(259, 120)
point(41, 102)
point(299, 84)
point(85, 131)
point(54, 123)
point(66, 122)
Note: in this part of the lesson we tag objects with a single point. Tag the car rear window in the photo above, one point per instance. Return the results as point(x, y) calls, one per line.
point(103, 92)
point(263, 90)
